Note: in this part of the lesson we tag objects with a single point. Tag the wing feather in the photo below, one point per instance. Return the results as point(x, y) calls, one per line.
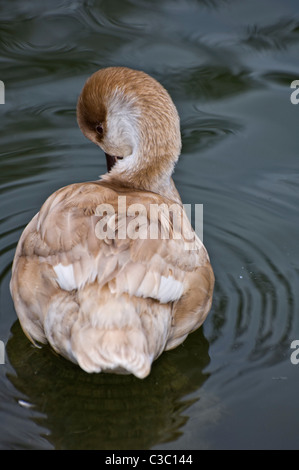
point(66, 278)
point(67, 239)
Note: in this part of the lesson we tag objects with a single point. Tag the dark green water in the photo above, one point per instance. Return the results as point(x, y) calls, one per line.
point(228, 65)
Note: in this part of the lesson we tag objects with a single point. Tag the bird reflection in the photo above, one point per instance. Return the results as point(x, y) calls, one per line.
point(107, 411)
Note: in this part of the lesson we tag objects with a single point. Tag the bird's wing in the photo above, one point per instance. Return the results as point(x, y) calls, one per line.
point(129, 242)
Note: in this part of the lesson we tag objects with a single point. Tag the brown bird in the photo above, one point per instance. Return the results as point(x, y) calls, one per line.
point(104, 271)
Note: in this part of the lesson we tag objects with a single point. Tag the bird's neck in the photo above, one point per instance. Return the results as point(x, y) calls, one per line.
point(152, 178)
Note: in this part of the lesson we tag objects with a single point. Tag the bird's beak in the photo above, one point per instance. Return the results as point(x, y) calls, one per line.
point(110, 161)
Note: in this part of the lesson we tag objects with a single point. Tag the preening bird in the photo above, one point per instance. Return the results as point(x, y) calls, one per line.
point(94, 273)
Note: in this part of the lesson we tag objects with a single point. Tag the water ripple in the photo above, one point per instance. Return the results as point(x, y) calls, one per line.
point(203, 130)
point(279, 35)
point(256, 300)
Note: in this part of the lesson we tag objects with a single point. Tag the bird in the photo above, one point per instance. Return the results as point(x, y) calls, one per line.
point(108, 282)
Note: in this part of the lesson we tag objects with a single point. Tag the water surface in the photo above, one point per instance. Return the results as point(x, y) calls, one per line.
point(228, 64)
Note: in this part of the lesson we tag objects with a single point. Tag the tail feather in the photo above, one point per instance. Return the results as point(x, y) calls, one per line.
point(114, 335)
point(122, 351)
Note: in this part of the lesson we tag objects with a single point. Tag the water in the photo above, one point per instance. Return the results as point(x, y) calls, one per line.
point(228, 65)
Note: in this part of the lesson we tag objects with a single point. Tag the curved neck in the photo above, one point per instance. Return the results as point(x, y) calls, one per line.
point(149, 179)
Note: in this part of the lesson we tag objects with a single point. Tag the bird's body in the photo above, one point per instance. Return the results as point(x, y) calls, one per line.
point(97, 274)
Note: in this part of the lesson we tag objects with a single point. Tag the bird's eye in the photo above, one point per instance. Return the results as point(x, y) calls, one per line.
point(99, 129)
